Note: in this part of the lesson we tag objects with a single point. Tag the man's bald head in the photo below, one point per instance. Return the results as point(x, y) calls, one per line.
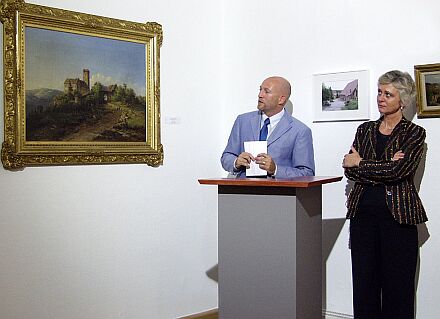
point(274, 93)
point(282, 84)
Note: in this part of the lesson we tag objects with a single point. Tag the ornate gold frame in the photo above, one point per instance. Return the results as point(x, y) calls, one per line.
point(18, 153)
point(420, 73)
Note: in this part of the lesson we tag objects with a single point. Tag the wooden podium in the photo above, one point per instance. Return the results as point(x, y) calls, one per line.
point(269, 247)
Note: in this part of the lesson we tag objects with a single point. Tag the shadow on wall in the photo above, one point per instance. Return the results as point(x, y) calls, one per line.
point(410, 111)
point(289, 107)
point(331, 228)
point(422, 229)
point(212, 273)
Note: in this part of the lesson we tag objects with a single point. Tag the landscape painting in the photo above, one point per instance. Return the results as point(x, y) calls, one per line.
point(342, 96)
point(83, 88)
point(427, 78)
point(432, 87)
point(79, 88)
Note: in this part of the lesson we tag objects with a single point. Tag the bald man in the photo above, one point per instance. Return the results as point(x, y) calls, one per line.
point(289, 141)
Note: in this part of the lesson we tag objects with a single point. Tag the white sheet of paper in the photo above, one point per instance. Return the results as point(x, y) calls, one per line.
point(255, 148)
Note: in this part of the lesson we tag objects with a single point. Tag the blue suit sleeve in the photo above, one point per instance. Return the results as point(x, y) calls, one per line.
point(233, 148)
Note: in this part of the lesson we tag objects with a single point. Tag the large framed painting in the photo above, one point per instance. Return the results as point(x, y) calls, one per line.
point(428, 90)
point(342, 96)
point(79, 88)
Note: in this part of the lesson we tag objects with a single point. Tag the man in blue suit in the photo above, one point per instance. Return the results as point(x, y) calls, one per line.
point(289, 141)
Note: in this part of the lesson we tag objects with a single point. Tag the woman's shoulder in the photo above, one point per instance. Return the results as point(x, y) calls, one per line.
point(367, 125)
point(411, 126)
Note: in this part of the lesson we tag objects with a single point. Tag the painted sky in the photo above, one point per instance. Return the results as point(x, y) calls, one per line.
point(337, 85)
point(53, 56)
point(433, 77)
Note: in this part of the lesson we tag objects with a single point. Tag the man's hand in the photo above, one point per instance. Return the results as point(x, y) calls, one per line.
point(266, 162)
point(244, 160)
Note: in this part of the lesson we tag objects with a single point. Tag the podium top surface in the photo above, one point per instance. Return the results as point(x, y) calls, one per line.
point(302, 181)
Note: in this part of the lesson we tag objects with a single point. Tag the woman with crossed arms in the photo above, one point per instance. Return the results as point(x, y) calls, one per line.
point(384, 206)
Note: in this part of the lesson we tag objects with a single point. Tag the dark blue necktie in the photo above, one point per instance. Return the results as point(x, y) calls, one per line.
point(264, 130)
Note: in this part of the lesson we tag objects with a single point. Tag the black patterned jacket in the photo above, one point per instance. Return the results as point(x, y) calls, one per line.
point(397, 176)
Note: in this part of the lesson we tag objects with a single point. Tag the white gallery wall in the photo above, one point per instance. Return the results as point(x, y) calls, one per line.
point(131, 241)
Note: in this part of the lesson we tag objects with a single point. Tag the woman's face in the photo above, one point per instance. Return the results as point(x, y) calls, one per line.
point(388, 99)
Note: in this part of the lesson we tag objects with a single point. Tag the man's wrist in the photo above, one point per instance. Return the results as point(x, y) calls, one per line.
point(234, 167)
point(273, 173)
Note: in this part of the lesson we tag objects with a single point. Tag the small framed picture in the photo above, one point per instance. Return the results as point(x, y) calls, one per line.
point(428, 90)
point(342, 96)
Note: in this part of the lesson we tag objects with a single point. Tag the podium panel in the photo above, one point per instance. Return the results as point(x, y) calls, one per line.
point(269, 248)
point(270, 255)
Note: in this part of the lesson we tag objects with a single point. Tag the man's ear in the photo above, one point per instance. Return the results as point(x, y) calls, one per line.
point(282, 100)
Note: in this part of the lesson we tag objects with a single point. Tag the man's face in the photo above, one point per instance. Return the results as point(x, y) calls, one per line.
point(270, 97)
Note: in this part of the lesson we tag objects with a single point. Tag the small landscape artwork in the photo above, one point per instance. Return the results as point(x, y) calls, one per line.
point(432, 88)
point(427, 77)
point(81, 88)
point(340, 95)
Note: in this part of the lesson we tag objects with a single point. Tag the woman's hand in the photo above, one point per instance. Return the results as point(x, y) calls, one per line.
point(352, 159)
point(399, 155)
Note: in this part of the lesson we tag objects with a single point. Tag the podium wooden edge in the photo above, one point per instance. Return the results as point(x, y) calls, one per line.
point(301, 182)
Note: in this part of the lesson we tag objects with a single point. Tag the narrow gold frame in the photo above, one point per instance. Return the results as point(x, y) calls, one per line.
point(423, 110)
point(18, 153)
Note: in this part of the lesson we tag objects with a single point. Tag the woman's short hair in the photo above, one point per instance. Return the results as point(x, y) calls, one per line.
point(403, 83)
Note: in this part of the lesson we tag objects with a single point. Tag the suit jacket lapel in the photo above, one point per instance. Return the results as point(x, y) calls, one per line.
point(373, 137)
point(282, 127)
point(394, 135)
point(397, 131)
point(255, 125)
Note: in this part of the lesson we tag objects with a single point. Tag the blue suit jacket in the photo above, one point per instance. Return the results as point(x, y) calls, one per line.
point(290, 145)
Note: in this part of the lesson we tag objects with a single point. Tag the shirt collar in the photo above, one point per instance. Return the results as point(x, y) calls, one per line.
point(274, 119)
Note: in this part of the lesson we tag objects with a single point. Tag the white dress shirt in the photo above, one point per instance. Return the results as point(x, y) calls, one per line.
point(274, 120)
